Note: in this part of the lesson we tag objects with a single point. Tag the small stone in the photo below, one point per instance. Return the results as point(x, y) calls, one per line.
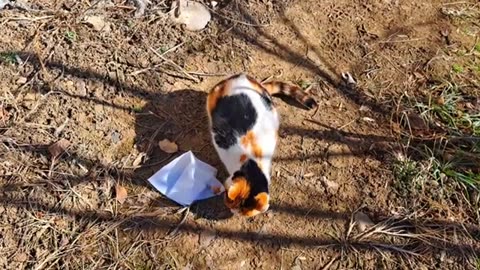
point(296, 267)
point(3, 3)
point(363, 221)
point(98, 109)
point(194, 15)
point(22, 80)
point(31, 97)
point(116, 136)
point(364, 108)
point(21, 257)
point(81, 89)
point(98, 23)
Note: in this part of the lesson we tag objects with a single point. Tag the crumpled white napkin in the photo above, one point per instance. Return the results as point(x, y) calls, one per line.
point(187, 179)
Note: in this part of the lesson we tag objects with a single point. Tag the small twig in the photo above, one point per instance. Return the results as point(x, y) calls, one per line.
point(208, 74)
point(391, 63)
point(175, 65)
point(34, 109)
point(400, 41)
point(186, 211)
point(148, 165)
point(329, 264)
point(157, 65)
point(347, 124)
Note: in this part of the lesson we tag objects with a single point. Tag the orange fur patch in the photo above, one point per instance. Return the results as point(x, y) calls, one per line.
point(250, 213)
point(237, 192)
point(256, 85)
point(243, 158)
point(220, 90)
point(272, 87)
point(250, 140)
point(262, 202)
point(261, 206)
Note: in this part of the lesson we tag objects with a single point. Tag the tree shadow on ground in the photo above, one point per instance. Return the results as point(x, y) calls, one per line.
point(410, 243)
point(180, 116)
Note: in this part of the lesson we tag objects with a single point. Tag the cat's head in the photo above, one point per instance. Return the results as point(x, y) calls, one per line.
point(247, 190)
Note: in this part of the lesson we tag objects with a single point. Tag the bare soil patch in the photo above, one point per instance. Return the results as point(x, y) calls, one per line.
point(106, 92)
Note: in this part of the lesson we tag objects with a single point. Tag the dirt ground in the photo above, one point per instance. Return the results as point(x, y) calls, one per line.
point(113, 92)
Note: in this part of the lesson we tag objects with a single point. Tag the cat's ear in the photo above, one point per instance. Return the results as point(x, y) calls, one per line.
point(237, 192)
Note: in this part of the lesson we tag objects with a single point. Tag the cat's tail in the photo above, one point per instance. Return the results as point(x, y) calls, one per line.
point(290, 90)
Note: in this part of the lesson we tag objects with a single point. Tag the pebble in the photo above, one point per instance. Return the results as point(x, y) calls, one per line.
point(22, 80)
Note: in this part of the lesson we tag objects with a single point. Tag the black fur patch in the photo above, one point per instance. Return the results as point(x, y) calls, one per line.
point(267, 100)
point(232, 117)
point(256, 179)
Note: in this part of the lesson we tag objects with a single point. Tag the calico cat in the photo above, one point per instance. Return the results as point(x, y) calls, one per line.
point(244, 127)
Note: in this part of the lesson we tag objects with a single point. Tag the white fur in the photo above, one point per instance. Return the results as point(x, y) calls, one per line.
point(265, 130)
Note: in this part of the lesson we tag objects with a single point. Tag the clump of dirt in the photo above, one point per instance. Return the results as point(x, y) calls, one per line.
point(115, 85)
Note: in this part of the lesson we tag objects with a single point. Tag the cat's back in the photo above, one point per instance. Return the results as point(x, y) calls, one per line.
point(235, 106)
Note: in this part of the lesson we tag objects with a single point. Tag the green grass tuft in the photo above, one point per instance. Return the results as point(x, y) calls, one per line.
point(446, 169)
point(8, 58)
point(477, 47)
point(445, 112)
point(71, 36)
point(457, 68)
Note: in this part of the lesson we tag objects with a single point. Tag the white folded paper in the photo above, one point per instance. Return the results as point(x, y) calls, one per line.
point(187, 179)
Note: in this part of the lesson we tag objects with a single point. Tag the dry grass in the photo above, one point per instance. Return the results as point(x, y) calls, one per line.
point(62, 213)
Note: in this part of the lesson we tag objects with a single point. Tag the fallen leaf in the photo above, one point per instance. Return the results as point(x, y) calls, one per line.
point(217, 190)
point(56, 149)
point(21, 257)
point(363, 221)
point(441, 101)
point(120, 193)
point(330, 185)
point(4, 115)
point(138, 159)
point(308, 175)
point(195, 16)
point(416, 122)
point(168, 146)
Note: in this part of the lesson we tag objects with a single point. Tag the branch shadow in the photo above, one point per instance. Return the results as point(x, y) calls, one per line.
point(180, 116)
point(147, 223)
point(321, 67)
